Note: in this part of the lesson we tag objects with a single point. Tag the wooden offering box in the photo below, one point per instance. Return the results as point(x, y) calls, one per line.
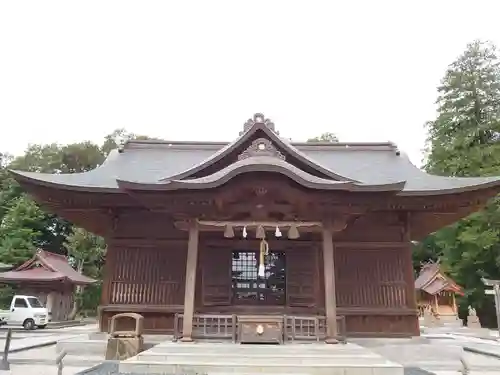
point(260, 329)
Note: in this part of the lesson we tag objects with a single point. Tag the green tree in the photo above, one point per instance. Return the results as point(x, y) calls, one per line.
point(54, 158)
point(464, 141)
point(87, 252)
point(118, 138)
point(9, 189)
point(325, 137)
point(25, 227)
point(20, 231)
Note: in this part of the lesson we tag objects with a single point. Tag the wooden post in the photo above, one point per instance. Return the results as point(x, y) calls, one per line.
point(189, 291)
point(330, 297)
point(454, 302)
point(436, 304)
point(4, 364)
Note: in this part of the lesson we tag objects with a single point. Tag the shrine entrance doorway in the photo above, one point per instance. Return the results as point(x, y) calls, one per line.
point(250, 288)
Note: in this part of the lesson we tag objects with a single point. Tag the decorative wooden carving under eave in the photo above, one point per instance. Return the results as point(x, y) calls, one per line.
point(339, 224)
point(261, 147)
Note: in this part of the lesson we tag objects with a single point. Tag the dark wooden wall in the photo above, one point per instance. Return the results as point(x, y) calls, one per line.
point(145, 272)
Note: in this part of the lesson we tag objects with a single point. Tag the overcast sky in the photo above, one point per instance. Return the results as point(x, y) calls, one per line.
point(197, 70)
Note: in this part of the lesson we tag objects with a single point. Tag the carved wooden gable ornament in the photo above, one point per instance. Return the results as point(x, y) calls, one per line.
point(258, 118)
point(261, 147)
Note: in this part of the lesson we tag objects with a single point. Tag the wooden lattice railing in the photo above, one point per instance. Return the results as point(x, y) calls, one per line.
point(208, 326)
point(311, 328)
point(296, 328)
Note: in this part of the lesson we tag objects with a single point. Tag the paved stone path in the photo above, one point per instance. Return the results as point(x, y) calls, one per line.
point(25, 340)
point(40, 360)
point(40, 370)
point(432, 354)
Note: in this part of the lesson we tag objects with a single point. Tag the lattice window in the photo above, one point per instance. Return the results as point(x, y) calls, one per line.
point(249, 288)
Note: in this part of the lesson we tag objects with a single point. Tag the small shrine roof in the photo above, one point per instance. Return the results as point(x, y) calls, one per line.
point(432, 280)
point(45, 267)
point(371, 166)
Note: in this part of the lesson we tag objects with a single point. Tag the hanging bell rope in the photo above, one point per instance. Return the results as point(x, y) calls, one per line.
point(264, 250)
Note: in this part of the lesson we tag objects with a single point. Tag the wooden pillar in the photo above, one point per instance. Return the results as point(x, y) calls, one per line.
point(436, 304)
point(50, 305)
point(454, 302)
point(409, 276)
point(189, 290)
point(329, 274)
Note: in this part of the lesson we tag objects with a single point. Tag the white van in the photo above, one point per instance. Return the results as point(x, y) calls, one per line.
point(27, 311)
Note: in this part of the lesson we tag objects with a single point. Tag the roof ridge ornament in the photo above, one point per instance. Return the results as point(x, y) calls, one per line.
point(261, 147)
point(258, 118)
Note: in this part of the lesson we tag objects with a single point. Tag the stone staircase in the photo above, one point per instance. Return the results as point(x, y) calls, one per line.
point(224, 358)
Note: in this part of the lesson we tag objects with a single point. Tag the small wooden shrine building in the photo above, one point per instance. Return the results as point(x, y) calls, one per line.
point(49, 277)
point(315, 237)
point(436, 291)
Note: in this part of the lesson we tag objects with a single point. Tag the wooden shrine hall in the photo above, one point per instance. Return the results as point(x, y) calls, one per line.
point(260, 238)
point(51, 278)
point(436, 291)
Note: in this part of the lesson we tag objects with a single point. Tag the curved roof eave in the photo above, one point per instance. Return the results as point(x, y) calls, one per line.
point(486, 184)
point(48, 180)
point(259, 164)
point(14, 279)
point(225, 151)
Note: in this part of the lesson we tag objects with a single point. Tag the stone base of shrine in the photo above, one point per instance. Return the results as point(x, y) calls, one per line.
point(224, 358)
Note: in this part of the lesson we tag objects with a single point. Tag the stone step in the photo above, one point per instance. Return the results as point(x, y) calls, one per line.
point(217, 367)
point(249, 349)
point(284, 359)
point(217, 358)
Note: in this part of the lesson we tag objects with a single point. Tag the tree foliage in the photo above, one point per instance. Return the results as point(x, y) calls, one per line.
point(87, 252)
point(24, 227)
point(325, 137)
point(464, 140)
point(20, 231)
point(118, 138)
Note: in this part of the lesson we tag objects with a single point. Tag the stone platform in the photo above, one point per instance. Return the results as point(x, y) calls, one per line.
point(224, 358)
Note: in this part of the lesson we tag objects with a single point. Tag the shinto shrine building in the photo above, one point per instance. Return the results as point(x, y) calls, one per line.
point(314, 238)
point(436, 291)
point(51, 278)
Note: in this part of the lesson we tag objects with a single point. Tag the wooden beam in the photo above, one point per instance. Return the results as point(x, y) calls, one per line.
point(329, 274)
point(218, 226)
point(189, 291)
